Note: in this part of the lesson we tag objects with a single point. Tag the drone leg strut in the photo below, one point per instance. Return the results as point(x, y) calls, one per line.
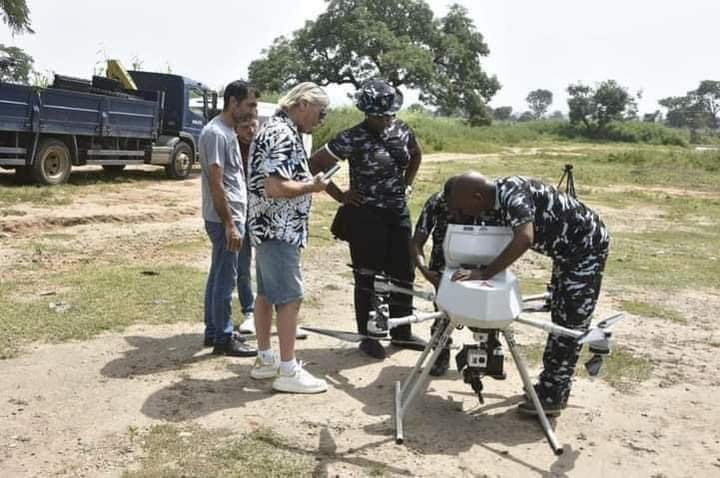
point(418, 377)
point(530, 391)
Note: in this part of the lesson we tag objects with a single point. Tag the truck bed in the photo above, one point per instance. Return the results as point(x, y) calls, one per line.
point(27, 109)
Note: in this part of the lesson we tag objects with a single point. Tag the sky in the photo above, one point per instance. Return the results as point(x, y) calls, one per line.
point(662, 47)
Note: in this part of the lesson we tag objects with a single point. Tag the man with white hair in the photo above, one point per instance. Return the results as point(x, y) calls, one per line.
point(280, 190)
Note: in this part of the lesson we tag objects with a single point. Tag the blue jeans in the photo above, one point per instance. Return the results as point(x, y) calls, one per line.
point(221, 282)
point(244, 279)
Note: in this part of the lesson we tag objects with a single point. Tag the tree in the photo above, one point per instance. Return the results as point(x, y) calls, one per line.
point(708, 94)
point(17, 66)
point(502, 113)
point(612, 101)
point(526, 116)
point(687, 111)
point(539, 101)
point(398, 40)
point(557, 115)
point(652, 117)
point(597, 107)
point(581, 103)
point(16, 15)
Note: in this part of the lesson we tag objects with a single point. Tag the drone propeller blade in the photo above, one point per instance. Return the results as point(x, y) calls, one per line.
point(379, 275)
point(600, 331)
point(337, 334)
point(593, 335)
point(610, 321)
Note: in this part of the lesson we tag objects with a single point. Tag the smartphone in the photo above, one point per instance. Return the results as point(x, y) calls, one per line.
point(329, 173)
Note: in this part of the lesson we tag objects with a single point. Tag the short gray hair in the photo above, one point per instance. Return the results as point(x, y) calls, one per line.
point(307, 91)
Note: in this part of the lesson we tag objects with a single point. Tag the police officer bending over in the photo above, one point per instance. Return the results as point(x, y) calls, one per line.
point(384, 157)
point(556, 225)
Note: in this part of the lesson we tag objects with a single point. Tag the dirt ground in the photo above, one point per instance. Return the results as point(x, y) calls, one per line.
point(68, 409)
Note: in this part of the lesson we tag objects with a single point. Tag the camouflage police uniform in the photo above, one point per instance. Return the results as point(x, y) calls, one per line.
point(380, 227)
point(578, 242)
point(433, 222)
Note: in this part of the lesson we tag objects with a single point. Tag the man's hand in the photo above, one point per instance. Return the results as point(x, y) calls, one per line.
point(470, 274)
point(319, 184)
point(233, 240)
point(351, 198)
point(432, 277)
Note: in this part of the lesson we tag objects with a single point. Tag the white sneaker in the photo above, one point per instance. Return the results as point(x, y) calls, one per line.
point(301, 381)
point(248, 325)
point(261, 370)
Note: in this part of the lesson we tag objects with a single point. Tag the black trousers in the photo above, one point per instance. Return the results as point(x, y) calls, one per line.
point(380, 241)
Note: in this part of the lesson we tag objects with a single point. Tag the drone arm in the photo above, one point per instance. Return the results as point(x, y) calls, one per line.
point(552, 328)
point(532, 298)
point(414, 319)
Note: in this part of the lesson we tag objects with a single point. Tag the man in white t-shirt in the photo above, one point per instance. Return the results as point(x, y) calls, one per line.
point(224, 207)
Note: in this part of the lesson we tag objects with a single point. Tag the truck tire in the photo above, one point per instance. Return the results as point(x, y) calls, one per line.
point(181, 162)
point(113, 170)
point(52, 162)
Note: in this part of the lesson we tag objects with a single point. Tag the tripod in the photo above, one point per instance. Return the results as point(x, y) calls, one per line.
point(569, 180)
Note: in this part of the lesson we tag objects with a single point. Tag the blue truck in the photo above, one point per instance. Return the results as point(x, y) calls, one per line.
point(76, 122)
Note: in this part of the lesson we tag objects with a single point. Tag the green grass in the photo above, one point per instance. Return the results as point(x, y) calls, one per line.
point(667, 260)
point(646, 309)
point(80, 183)
point(95, 299)
point(12, 195)
point(171, 451)
point(622, 370)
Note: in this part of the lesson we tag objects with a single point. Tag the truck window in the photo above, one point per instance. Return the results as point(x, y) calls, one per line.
point(196, 102)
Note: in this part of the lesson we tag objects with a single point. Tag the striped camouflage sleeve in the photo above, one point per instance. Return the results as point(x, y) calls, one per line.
point(428, 216)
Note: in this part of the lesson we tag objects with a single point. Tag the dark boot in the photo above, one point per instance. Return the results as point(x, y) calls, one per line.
point(235, 347)
point(372, 348)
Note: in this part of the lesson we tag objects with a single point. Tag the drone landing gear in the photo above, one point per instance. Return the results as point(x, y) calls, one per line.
point(418, 378)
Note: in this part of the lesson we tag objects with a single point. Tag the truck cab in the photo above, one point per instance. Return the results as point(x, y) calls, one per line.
point(188, 105)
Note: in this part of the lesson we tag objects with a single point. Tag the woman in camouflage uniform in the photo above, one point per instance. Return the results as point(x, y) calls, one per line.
point(384, 157)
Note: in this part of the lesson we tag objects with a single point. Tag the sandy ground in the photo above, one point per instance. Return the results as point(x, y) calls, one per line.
point(66, 409)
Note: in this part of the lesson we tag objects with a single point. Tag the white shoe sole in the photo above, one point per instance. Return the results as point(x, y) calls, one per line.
point(263, 373)
point(293, 388)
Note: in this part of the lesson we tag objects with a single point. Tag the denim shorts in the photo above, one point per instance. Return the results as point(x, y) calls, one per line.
point(277, 271)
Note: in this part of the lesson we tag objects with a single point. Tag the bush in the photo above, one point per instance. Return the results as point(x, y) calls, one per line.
point(649, 133)
point(437, 133)
point(337, 120)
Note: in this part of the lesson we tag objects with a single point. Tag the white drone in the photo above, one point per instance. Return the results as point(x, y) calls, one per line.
point(486, 307)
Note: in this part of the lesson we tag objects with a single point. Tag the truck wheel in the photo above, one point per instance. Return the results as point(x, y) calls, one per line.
point(181, 163)
point(52, 163)
point(113, 170)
